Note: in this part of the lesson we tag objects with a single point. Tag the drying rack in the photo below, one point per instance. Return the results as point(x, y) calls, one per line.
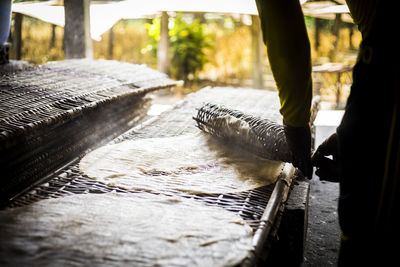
point(259, 207)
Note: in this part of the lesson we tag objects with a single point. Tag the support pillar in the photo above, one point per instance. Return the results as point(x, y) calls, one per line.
point(257, 53)
point(17, 36)
point(163, 58)
point(336, 31)
point(317, 34)
point(351, 33)
point(53, 36)
point(78, 43)
point(111, 43)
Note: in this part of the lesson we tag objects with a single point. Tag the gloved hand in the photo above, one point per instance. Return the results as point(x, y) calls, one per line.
point(327, 169)
point(299, 142)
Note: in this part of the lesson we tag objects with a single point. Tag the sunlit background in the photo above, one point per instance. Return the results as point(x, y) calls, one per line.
point(207, 47)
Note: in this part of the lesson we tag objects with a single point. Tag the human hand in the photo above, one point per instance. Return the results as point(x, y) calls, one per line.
point(327, 169)
point(299, 142)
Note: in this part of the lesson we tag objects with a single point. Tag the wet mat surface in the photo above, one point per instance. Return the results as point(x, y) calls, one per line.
point(249, 205)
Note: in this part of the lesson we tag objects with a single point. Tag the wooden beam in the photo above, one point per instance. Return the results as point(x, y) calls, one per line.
point(111, 43)
point(78, 43)
point(336, 30)
point(257, 53)
point(317, 25)
point(163, 57)
point(53, 36)
point(17, 36)
point(351, 33)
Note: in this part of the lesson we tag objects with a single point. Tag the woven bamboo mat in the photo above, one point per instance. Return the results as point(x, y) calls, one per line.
point(177, 121)
point(250, 205)
point(50, 114)
point(58, 91)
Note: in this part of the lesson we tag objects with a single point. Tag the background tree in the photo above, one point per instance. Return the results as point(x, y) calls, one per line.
point(188, 43)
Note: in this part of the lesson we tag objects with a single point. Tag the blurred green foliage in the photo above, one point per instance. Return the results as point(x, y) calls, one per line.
point(37, 45)
point(129, 38)
point(210, 50)
point(325, 24)
point(188, 42)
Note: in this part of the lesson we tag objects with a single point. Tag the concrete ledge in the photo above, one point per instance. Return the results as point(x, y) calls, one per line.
point(295, 220)
point(288, 244)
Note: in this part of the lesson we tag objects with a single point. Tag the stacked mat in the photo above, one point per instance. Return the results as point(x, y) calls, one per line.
point(52, 113)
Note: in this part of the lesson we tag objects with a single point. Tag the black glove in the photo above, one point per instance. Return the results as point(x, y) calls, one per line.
point(327, 169)
point(299, 142)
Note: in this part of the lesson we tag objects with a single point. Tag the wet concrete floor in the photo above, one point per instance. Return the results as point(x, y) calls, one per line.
point(323, 235)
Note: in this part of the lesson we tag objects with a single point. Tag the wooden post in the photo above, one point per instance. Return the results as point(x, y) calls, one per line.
point(163, 58)
point(351, 33)
point(17, 36)
point(78, 43)
point(200, 16)
point(53, 36)
point(317, 34)
point(111, 43)
point(338, 89)
point(257, 53)
point(336, 31)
